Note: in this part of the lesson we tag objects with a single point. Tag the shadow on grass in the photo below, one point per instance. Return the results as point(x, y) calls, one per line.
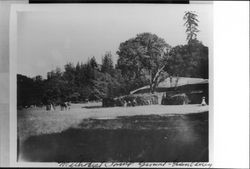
point(92, 107)
point(153, 138)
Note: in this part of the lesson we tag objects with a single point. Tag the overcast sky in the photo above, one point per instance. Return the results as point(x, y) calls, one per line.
point(47, 40)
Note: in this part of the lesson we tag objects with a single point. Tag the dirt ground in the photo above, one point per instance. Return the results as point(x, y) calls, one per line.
point(87, 130)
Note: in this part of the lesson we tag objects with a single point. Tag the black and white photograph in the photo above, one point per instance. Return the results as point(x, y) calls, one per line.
point(114, 83)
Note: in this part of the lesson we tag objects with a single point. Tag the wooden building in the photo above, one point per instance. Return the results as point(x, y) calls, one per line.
point(191, 90)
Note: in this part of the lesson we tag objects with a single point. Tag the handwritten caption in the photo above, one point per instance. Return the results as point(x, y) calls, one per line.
point(131, 164)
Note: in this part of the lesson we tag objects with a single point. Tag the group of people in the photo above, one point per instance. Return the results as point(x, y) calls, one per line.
point(63, 106)
point(129, 103)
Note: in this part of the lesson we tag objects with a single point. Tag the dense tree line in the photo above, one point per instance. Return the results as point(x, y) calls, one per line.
point(143, 60)
point(77, 83)
point(93, 81)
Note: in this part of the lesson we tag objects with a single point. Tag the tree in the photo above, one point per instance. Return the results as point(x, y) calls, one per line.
point(69, 73)
point(191, 23)
point(144, 55)
point(93, 62)
point(57, 73)
point(76, 83)
point(107, 63)
point(189, 60)
point(38, 78)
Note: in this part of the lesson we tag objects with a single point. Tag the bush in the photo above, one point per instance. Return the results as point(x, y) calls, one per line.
point(177, 99)
point(108, 102)
point(131, 100)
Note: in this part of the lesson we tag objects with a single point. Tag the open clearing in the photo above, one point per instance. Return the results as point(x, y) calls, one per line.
point(88, 132)
point(36, 121)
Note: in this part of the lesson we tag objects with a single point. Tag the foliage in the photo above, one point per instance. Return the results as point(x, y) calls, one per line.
point(131, 100)
point(29, 91)
point(143, 60)
point(191, 23)
point(189, 60)
point(144, 56)
point(93, 63)
point(177, 99)
point(79, 83)
point(107, 63)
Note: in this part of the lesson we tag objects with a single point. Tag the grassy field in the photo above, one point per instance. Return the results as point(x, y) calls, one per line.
point(36, 121)
point(86, 131)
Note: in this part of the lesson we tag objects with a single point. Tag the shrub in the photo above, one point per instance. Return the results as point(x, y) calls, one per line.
point(108, 102)
point(177, 99)
point(131, 100)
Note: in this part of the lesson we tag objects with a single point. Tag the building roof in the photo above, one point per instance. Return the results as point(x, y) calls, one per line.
point(175, 82)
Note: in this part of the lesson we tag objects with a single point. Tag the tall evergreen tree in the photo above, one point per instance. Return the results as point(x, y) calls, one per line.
point(191, 23)
point(93, 62)
point(107, 63)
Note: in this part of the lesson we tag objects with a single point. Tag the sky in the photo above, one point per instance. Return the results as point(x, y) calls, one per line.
point(51, 38)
